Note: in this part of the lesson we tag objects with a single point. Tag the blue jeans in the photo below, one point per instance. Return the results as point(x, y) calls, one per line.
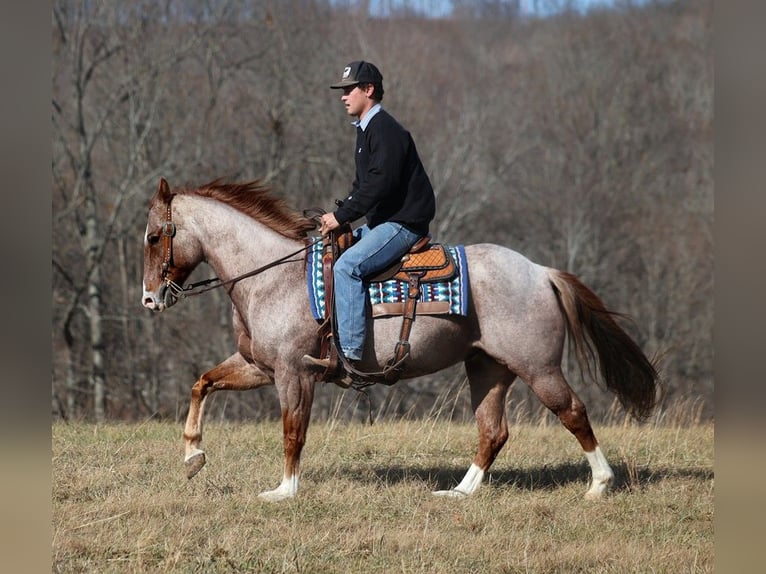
point(375, 250)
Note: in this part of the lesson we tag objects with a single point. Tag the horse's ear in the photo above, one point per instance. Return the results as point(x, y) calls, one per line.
point(163, 189)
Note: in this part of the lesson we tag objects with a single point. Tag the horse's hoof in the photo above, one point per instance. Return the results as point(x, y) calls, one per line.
point(598, 490)
point(274, 495)
point(194, 464)
point(591, 495)
point(449, 493)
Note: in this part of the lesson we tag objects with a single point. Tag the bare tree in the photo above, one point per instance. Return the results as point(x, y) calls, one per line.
point(107, 98)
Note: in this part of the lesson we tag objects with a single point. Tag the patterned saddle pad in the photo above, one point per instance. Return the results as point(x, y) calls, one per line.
point(387, 297)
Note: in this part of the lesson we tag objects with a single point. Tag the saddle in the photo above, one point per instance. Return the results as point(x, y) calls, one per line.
point(430, 262)
point(424, 263)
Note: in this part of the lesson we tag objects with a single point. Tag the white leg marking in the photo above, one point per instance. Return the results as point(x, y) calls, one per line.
point(287, 489)
point(470, 484)
point(602, 474)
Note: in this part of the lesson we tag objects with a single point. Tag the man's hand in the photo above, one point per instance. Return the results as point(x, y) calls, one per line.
point(328, 223)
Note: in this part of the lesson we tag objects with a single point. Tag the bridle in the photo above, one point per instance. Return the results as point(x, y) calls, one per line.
point(168, 232)
point(179, 292)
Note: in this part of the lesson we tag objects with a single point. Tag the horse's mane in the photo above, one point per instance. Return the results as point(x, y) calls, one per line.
point(257, 200)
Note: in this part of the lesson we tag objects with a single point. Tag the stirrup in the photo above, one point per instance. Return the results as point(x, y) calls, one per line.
point(345, 381)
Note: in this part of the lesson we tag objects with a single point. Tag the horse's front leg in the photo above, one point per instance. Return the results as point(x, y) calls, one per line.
point(234, 374)
point(296, 394)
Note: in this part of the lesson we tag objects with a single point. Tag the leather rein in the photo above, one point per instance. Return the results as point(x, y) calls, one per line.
point(179, 292)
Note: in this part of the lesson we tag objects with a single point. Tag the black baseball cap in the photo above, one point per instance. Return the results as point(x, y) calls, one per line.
point(359, 72)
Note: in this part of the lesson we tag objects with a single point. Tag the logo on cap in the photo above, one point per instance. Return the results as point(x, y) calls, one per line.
point(346, 72)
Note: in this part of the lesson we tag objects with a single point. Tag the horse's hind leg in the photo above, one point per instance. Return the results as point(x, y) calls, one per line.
point(489, 382)
point(234, 374)
point(556, 394)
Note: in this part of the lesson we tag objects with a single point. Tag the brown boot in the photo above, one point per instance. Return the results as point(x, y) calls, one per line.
point(345, 379)
point(345, 382)
point(309, 361)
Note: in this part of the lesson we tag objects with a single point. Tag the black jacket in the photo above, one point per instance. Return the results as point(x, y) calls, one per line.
point(391, 183)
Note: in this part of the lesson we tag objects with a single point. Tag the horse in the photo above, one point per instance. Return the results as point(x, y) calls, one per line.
point(519, 316)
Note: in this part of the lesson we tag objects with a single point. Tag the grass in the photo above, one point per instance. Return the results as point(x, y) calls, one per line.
point(121, 502)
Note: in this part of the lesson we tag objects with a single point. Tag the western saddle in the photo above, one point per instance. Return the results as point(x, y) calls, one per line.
point(424, 263)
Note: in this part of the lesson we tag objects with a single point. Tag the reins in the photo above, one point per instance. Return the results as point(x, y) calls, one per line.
point(215, 282)
point(169, 231)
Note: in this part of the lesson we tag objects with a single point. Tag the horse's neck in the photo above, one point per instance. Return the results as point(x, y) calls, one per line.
point(233, 243)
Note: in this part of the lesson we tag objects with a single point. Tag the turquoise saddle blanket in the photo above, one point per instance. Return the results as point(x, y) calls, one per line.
point(388, 297)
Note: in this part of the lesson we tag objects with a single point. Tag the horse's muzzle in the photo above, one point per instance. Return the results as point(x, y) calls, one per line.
point(160, 300)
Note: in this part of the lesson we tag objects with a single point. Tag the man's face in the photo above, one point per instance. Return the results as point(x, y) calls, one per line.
point(356, 100)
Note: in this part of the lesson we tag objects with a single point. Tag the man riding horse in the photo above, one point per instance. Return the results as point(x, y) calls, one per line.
point(391, 190)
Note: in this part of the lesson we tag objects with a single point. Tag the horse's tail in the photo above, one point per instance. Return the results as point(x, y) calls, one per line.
point(599, 339)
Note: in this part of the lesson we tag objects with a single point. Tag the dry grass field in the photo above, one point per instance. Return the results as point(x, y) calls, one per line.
point(121, 502)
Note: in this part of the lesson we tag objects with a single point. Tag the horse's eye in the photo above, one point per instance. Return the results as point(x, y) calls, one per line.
point(153, 239)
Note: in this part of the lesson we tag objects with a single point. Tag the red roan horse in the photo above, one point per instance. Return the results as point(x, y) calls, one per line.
point(519, 315)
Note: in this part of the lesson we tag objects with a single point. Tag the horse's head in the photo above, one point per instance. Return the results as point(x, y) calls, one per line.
point(170, 252)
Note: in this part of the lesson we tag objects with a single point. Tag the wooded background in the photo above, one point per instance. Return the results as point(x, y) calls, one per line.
point(583, 141)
